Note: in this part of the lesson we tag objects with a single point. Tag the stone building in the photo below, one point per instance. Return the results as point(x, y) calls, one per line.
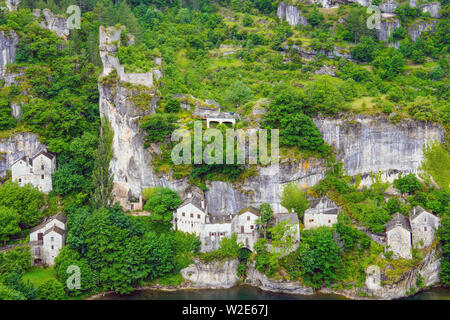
point(294, 226)
point(47, 239)
point(37, 170)
point(423, 225)
point(398, 236)
point(322, 212)
point(122, 195)
point(245, 226)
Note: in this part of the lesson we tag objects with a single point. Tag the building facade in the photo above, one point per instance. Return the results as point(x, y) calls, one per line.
point(398, 236)
point(423, 226)
point(322, 212)
point(244, 225)
point(47, 239)
point(37, 170)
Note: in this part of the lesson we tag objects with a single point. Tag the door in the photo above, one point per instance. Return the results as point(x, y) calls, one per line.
point(40, 236)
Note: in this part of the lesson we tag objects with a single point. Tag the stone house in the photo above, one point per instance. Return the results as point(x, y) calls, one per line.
point(245, 227)
point(322, 212)
point(47, 239)
point(37, 170)
point(398, 236)
point(190, 216)
point(423, 225)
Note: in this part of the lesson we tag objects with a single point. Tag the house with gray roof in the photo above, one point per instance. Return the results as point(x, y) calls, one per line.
point(47, 239)
point(398, 236)
point(322, 212)
point(423, 226)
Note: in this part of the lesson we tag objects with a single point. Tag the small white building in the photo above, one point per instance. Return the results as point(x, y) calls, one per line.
point(423, 225)
point(398, 236)
point(37, 170)
point(191, 215)
point(322, 212)
point(245, 227)
point(47, 239)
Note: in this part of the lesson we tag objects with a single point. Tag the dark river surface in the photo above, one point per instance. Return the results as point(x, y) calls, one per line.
point(251, 293)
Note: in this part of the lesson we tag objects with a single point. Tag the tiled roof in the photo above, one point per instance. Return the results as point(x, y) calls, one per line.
point(56, 229)
point(415, 212)
point(194, 200)
point(398, 220)
point(251, 210)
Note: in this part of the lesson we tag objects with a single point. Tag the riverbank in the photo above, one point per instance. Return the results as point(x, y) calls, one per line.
point(247, 292)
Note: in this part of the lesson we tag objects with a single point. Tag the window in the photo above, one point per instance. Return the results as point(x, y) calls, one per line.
point(311, 220)
point(20, 179)
point(42, 177)
point(42, 167)
point(198, 216)
point(192, 215)
point(183, 214)
point(329, 221)
point(248, 218)
point(52, 239)
point(424, 228)
point(251, 227)
point(53, 247)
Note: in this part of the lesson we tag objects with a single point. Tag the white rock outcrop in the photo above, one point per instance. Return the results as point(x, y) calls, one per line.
point(55, 23)
point(215, 275)
point(8, 42)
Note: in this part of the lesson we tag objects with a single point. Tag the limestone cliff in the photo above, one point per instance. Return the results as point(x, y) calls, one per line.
point(216, 274)
point(49, 20)
point(8, 42)
point(222, 274)
point(291, 14)
point(416, 29)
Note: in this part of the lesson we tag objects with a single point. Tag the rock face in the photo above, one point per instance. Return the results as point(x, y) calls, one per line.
point(389, 22)
point(291, 14)
point(366, 144)
point(17, 146)
point(217, 274)
point(8, 42)
point(11, 5)
point(388, 6)
point(335, 3)
point(429, 269)
point(256, 278)
point(416, 29)
point(433, 8)
point(110, 39)
point(49, 20)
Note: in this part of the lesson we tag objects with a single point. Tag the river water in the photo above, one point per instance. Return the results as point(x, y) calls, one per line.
point(251, 293)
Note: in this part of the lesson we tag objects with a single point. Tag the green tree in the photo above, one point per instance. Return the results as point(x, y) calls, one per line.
point(51, 290)
point(293, 198)
point(388, 63)
point(407, 184)
point(27, 201)
point(9, 223)
point(437, 164)
point(266, 215)
point(102, 175)
point(238, 93)
point(162, 202)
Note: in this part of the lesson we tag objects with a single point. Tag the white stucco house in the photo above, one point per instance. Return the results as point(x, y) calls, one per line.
point(423, 226)
point(37, 170)
point(190, 216)
point(244, 225)
point(398, 236)
point(322, 212)
point(47, 239)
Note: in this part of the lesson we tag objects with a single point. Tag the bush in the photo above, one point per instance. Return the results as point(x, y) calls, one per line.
point(51, 290)
point(407, 184)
